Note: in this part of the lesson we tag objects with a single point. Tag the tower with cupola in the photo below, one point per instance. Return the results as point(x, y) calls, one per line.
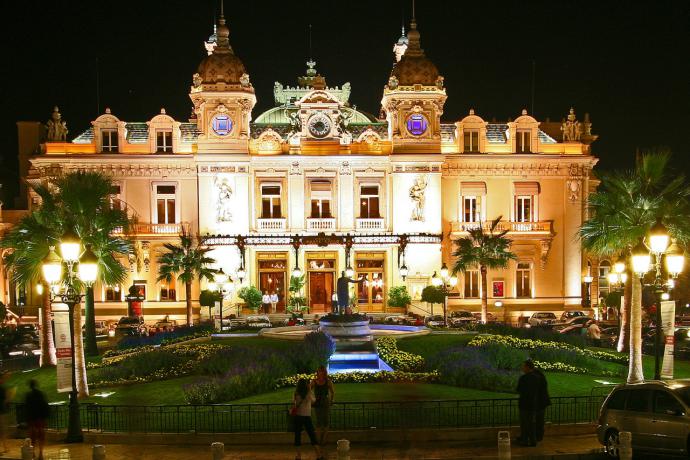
point(223, 98)
point(413, 99)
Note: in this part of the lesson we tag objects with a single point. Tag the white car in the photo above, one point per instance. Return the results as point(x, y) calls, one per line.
point(541, 318)
point(460, 318)
point(258, 322)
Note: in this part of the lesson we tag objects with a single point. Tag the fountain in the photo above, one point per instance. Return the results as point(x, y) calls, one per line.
point(355, 349)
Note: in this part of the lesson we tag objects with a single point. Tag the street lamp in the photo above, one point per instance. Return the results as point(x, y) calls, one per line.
point(588, 282)
point(82, 265)
point(403, 271)
point(445, 282)
point(224, 286)
point(659, 240)
point(241, 273)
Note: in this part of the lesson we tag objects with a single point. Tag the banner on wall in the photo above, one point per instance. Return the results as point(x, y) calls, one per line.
point(63, 351)
point(668, 323)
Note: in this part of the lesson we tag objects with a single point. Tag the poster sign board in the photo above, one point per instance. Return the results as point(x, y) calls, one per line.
point(668, 322)
point(216, 316)
point(63, 351)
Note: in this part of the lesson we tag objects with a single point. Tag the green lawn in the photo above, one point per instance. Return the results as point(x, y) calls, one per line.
point(428, 345)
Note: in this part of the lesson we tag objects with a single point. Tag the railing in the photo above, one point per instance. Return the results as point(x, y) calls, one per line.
point(23, 363)
point(369, 224)
point(245, 418)
point(156, 229)
point(543, 227)
point(271, 225)
point(320, 224)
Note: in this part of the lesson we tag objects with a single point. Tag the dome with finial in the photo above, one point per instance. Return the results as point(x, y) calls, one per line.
point(222, 65)
point(414, 67)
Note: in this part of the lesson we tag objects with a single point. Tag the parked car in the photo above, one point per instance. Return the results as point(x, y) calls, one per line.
point(435, 321)
point(395, 319)
point(541, 318)
point(609, 336)
point(130, 326)
point(657, 414)
point(568, 314)
point(27, 328)
point(102, 327)
point(166, 325)
point(234, 323)
point(258, 322)
point(490, 317)
point(574, 322)
point(461, 318)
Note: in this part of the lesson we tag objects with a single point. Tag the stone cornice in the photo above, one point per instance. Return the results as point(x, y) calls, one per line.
point(510, 165)
point(181, 165)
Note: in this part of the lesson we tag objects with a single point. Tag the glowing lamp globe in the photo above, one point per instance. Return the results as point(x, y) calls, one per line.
point(297, 272)
point(453, 281)
point(444, 271)
point(658, 238)
point(674, 260)
point(220, 277)
point(39, 289)
point(241, 274)
point(619, 266)
point(640, 260)
point(228, 287)
point(613, 277)
point(665, 296)
point(588, 279)
point(624, 277)
point(70, 247)
point(52, 267)
point(88, 267)
point(403, 271)
point(435, 280)
point(212, 286)
point(349, 272)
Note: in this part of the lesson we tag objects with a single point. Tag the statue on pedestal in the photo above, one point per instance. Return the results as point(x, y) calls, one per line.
point(56, 127)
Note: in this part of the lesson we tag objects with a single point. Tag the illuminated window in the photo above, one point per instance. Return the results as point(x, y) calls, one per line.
point(168, 290)
point(369, 202)
point(523, 274)
point(471, 140)
point(221, 125)
point(116, 197)
point(109, 140)
point(604, 270)
point(417, 124)
point(471, 284)
point(270, 201)
point(164, 141)
point(523, 141)
point(523, 208)
point(165, 204)
point(320, 200)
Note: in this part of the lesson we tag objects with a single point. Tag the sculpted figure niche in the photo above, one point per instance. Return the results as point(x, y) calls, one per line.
point(417, 192)
point(224, 204)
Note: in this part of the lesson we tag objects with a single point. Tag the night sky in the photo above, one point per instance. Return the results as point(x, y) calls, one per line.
point(626, 63)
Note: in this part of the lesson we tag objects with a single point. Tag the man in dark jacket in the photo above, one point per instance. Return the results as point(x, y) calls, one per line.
point(37, 412)
point(528, 404)
point(543, 401)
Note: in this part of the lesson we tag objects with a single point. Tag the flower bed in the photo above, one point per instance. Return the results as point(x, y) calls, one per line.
point(399, 360)
point(366, 377)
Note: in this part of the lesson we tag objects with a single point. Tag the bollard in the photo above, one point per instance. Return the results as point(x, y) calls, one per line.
point(98, 452)
point(343, 449)
point(27, 450)
point(504, 445)
point(625, 451)
point(218, 450)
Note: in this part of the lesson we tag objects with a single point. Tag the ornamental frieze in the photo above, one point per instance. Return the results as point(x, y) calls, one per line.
point(119, 170)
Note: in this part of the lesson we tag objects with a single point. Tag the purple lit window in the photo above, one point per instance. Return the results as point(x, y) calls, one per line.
point(222, 125)
point(417, 124)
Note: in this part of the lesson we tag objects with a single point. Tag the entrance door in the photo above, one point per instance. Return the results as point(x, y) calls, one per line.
point(320, 291)
point(272, 277)
point(370, 292)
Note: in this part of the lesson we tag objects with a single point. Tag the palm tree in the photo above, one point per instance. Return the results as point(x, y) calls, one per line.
point(79, 202)
point(186, 261)
point(485, 250)
point(621, 212)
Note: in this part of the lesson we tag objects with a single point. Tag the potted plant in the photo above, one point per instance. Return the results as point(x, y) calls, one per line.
point(399, 297)
point(208, 299)
point(251, 297)
point(297, 302)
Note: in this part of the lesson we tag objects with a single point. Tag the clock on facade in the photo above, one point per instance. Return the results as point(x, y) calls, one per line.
point(319, 125)
point(221, 124)
point(417, 124)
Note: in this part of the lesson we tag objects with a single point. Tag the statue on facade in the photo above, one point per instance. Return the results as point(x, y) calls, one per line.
point(244, 80)
point(56, 127)
point(343, 121)
point(417, 192)
point(295, 121)
point(439, 82)
point(572, 129)
point(392, 82)
point(224, 204)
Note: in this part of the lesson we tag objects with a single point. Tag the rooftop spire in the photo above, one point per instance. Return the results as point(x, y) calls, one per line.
point(222, 33)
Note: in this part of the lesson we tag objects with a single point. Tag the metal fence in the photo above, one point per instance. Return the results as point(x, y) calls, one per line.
point(245, 418)
point(22, 363)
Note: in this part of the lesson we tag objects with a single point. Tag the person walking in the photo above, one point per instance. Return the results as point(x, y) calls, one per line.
point(4, 410)
point(322, 386)
point(274, 302)
point(302, 401)
point(594, 333)
point(528, 391)
point(266, 302)
point(543, 401)
point(37, 412)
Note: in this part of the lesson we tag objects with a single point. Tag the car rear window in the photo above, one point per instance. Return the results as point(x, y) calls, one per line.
point(617, 400)
point(638, 400)
point(666, 403)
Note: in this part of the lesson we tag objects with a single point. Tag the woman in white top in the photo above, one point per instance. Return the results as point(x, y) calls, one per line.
point(266, 302)
point(302, 401)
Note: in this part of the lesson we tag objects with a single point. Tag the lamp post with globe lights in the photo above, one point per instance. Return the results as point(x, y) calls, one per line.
point(647, 257)
point(617, 279)
point(224, 286)
point(445, 282)
point(81, 268)
point(587, 302)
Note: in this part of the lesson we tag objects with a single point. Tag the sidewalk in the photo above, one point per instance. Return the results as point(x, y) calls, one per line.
point(583, 447)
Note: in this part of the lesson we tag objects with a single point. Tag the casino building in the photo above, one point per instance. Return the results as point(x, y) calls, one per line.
point(315, 184)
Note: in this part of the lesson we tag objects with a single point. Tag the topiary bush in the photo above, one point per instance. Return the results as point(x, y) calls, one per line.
point(399, 360)
point(314, 351)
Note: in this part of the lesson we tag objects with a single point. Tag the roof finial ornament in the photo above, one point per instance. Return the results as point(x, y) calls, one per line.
point(222, 33)
point(56, 127)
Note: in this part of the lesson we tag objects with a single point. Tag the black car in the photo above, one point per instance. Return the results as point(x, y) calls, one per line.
point(129, 326)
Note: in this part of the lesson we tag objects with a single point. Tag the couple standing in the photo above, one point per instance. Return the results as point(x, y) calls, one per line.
point(534, 399)
point(319, 394)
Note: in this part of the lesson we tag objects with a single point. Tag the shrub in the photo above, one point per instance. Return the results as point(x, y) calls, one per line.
point(432, 294)
point(399, 297)
point(251, 296)
point(314, 351)
point(399, 360)
point(470, 367)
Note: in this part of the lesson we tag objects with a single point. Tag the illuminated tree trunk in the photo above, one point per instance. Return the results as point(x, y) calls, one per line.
point(80, 361)
point(188, 294)
point(90, 325)
point(624, 314)
point(48, 357)
point(635, 371)
point(485, 303)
